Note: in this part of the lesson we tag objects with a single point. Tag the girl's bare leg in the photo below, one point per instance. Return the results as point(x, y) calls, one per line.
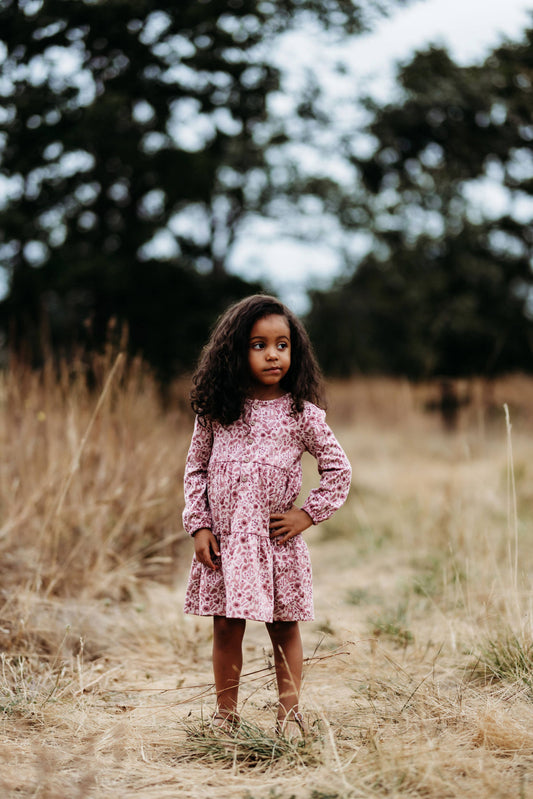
point(288, 660)
point(227, 663)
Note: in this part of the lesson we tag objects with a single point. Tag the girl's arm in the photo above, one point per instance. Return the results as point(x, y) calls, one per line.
point(335, 477)
point(333, 466)
point(197, 514)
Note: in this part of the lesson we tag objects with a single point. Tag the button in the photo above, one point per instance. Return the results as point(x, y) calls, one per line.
point(252, 422)
point(246, 460)
point(244, 478)
point(250, 441)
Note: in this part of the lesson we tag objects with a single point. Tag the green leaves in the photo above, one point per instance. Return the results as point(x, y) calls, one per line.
point(447, 287)
point(108, 105)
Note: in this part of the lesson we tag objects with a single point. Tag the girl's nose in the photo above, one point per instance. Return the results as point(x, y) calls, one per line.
point(272, 354)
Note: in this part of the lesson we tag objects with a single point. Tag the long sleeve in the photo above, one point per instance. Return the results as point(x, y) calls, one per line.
point(196, 513)
point(333, 466)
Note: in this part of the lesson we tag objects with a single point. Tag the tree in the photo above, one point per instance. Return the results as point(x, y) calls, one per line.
point(447, 288)
point(130, 136)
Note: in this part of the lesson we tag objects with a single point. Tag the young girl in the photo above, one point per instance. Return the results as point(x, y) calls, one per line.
point(256, 394)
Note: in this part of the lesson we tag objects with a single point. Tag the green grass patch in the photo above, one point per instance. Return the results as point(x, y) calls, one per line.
point(360, 596)
point(393, 625)
point(508, 658)
point(248, 746)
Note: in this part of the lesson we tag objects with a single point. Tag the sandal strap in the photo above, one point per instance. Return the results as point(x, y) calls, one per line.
point(292, 717)
point(228, 723)
point(231, 716)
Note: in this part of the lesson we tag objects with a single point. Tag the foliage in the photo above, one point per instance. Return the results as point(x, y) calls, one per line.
point(446, 288)
point(132, 143)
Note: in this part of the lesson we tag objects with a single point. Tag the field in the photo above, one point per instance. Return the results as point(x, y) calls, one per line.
point(419, 673)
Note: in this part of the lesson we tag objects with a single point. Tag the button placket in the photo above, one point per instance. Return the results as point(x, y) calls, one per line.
point(249, 439)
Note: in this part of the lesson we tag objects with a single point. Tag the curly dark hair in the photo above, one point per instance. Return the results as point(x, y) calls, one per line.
point(222, 377)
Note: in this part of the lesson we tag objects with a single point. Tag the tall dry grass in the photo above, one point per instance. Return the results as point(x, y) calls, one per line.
point(91, 477)
point(419, 679)
point(90, 486)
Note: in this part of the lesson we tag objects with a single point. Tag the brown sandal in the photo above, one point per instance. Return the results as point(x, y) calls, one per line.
point(292, 727)
point(226, 724)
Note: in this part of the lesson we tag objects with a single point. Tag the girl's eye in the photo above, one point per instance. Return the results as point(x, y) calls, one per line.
point(260, 345)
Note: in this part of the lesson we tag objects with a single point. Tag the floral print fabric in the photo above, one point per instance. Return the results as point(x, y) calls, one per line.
point(235, 478)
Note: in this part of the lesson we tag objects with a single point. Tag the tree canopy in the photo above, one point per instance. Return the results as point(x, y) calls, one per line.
point(132, 142)
point(136, 138)
point(446, 288)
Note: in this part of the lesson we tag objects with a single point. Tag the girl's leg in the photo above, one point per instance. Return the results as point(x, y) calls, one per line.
point(227, 663)
point(288, 660)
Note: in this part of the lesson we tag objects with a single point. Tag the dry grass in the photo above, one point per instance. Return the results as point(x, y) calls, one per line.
point(420, 670)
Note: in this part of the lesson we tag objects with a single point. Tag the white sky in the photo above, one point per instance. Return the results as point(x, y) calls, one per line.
point(468, 28)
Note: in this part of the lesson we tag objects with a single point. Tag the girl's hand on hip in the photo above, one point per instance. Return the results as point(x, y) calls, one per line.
point(286, 525)
point(205, 547)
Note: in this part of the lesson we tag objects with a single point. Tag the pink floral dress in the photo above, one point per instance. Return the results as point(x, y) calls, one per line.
point(235, 478)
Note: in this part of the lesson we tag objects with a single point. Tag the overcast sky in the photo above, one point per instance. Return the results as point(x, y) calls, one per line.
point(468, 28)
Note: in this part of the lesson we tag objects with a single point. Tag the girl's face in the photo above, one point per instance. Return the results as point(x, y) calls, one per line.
point(269, 356)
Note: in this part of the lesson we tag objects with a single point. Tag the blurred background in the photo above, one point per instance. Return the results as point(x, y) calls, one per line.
point(370, 162)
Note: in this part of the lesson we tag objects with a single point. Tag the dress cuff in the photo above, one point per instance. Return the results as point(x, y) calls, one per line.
point(310, 513)
point(192, 526)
